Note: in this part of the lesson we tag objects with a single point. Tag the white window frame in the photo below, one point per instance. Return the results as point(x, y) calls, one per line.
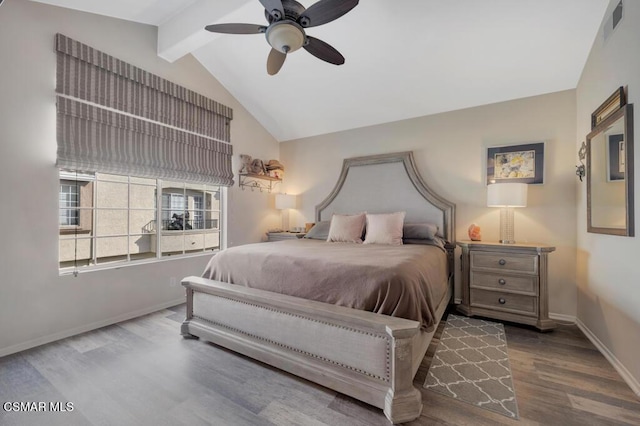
point(96, 264)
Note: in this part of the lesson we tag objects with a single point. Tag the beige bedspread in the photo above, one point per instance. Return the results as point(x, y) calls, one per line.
point(405, 281)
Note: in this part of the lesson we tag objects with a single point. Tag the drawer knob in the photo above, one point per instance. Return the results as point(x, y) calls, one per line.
point(502, 301)
point(502, 262)
point(502, 281)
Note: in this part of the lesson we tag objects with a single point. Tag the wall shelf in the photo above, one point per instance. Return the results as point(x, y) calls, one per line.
point(261, 182)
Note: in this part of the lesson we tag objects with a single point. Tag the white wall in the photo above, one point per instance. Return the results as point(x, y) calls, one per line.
point(450, 151)
point(607, 266)
point(36, 304)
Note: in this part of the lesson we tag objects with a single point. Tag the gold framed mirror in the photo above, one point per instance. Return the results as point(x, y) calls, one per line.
point(610, 175)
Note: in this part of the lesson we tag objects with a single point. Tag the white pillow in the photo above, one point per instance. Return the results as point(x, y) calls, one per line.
point(385, 228)
point(346, 228)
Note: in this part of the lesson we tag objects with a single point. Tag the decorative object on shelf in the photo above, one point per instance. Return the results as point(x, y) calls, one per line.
point(613, 103)
point(474, 232)
point(246, 164)
point(516, 163)
point(256, 174)
point(275, 169)
point(582, 153)
point(507, 196)
point(285, 202)
point(257, 167)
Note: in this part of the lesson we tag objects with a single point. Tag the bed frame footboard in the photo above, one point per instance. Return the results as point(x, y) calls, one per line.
point(361, 354)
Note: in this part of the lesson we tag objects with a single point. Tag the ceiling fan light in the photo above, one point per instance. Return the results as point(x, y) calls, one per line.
point(285, 37)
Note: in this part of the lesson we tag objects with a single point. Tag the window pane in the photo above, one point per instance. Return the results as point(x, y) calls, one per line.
point(69, 217)
point(212, 220)
point(111, 222)
point(142, 221)
point(142, 197)
point(194, 242)
point(213, 199)
point(142, 245)
point(212, 240)
point(172, 243)
point(173, 211)
point(111, 249)
point(112, 195)
point(67, 252)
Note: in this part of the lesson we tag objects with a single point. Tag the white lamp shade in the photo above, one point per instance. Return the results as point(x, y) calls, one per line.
point(507, 195)
point(285, 37)
point(285, 201)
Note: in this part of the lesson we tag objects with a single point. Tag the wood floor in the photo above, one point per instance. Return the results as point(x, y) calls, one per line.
point(141, 372)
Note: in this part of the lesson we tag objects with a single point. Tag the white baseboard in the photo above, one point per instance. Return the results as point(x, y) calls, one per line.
point(88, 327)
point(633, 383)
point(566, 319)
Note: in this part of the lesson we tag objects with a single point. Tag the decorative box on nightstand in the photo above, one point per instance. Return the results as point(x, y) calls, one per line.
point(506, 282)
point(279, 236)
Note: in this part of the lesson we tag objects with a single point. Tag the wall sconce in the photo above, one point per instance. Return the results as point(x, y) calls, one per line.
point(507, 196)
point(582, 154)
point(284, 202)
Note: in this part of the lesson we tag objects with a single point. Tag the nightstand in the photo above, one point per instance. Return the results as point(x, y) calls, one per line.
point(506, 282)
point(279, 236)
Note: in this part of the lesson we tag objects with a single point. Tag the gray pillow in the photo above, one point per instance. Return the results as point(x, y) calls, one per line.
point(419, 231)
point(436, 241)
point(320, 231)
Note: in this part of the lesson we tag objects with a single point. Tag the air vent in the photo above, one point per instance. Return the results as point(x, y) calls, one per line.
point(613, 21)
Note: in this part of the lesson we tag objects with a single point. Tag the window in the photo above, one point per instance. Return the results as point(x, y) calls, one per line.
point(115, 219)
point(198, 212)
point(69, 203)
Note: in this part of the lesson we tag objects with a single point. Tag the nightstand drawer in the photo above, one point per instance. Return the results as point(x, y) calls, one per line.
point(496, 300)
point(505, 262)
point(505, 282)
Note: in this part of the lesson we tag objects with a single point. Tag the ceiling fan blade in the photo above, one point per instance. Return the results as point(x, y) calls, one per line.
point(322, 50)
point(236, 28)
point(275, 61)
point(271, 5)
point(325, 11)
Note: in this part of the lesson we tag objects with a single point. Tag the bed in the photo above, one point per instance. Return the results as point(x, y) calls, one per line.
point(358, 345)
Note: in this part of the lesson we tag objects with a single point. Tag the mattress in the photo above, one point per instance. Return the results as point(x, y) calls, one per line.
point(406, 281)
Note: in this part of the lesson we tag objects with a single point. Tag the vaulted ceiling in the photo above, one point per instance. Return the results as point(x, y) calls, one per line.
point(404, 58)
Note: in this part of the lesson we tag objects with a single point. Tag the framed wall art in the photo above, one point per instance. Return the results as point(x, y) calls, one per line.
point(516, 163)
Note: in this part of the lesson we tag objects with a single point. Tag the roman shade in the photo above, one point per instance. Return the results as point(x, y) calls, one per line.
point(116, 118)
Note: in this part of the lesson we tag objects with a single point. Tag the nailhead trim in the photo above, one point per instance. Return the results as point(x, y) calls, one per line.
point(366, 373)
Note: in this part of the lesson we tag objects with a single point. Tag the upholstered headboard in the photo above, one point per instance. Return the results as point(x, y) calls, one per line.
point(388, 183)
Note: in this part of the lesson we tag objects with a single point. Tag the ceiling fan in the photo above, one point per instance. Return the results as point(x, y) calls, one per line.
point(286, 30)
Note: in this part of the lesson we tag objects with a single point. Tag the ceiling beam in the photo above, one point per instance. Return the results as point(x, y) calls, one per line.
point(185, 32)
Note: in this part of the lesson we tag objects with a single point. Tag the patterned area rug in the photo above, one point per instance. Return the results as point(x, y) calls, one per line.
point(471, 364)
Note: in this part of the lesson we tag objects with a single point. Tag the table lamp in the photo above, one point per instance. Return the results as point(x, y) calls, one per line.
point(285, 202)
point(507, 196)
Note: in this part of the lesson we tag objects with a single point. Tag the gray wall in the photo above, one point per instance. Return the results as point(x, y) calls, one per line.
point(450, 151)
point(36, 304)
point(607, 266)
